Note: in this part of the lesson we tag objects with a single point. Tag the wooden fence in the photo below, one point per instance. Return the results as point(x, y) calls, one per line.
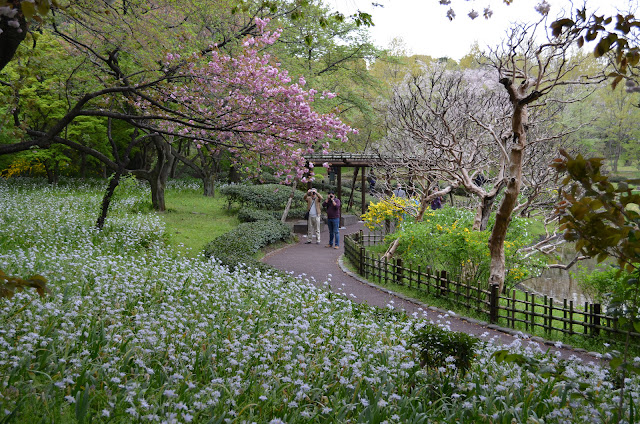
point(514, 308)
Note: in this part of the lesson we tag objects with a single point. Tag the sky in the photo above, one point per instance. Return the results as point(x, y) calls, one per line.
point(424, 28)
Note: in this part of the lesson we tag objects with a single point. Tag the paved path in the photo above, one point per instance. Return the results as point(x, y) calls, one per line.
point(321, 265)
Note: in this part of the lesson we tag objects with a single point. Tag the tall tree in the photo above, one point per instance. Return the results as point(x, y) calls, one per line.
point(155, 73)
point(529, 72)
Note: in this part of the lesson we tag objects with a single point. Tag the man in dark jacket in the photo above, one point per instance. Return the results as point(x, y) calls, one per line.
point(332, 205)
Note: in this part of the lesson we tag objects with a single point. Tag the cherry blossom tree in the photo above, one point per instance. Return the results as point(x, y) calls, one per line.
point(242, 102)
point(246, 103)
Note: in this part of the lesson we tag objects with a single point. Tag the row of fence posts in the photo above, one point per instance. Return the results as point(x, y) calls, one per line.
point(592, 312)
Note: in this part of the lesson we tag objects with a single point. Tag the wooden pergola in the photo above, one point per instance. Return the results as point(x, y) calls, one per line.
point(339, 160)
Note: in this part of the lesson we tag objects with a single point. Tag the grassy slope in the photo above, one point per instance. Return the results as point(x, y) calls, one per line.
point(193, 220)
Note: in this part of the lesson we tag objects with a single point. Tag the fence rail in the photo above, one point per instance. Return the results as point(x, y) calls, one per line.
point(512, 308)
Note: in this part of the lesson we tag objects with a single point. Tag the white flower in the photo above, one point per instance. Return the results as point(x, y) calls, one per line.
point(451, 14)
point(543, 8)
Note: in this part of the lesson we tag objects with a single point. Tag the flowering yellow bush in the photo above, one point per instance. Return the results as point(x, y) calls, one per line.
point(23, 166)
point(391, 208)
point(445, 241)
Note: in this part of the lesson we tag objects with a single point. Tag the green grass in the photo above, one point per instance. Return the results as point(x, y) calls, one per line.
point(193, 220)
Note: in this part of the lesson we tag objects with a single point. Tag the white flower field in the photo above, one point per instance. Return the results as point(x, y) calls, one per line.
point(133, 332)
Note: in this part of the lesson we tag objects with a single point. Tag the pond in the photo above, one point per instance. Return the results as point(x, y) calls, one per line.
point(559, 283)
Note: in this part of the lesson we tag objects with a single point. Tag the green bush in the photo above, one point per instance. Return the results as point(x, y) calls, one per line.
point(240, 245)
point(439, 348)
point(253, 215)
point(444, 240)
point(267, 196)
point(600, 282)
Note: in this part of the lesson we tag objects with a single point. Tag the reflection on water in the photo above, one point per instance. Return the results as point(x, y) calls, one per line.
point(558, 283)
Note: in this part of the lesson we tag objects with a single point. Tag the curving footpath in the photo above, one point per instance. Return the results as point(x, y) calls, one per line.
point(323, 266)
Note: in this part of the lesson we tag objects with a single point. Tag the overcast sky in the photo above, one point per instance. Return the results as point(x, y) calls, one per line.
point(423, 26)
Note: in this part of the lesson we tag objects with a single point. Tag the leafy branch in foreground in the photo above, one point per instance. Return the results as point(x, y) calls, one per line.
point(603, 220)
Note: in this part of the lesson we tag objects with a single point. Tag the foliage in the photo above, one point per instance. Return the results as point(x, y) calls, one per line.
point(265, 122)
point(389, 208)
point(604, 220)
point(442, 349)
point(253, 215)
point(616, 35)
point(238, 246)
point(10, 284)
point(444, 240)
point(264, 197)
point(599, 283)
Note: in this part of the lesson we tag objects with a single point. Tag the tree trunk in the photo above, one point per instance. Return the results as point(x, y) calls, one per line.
point(484, 210)
point(158, 176)
point(209, 184)
point(83, 166)
point(56, 172)
point(353, 187)
point(286, 209)
point(503, 215)
point(49, 171)
point(161, 174)
point(106, 199)
point(391, 250)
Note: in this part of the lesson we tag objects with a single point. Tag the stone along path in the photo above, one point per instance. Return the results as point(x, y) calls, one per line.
point(322, 266)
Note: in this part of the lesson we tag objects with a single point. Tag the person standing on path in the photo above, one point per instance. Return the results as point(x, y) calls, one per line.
point(314, 200)
point(332, 205)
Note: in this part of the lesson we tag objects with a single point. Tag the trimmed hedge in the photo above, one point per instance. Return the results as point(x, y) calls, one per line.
point(264, 197)
point(239, 245)
point(252, 215)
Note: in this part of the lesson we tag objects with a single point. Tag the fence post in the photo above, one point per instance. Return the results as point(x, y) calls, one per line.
point(398, 271)
point(361, 261)
point(571, 317)
point(443, 283)
point(596, 319)
point(361, 238)
point(493, 303)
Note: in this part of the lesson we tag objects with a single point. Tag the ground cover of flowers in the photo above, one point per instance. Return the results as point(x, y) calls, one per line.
point(134, 333)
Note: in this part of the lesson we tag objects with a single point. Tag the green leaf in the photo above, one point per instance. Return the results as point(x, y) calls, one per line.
point(616, 362)
point(308, 40)
point(43, 7)
point(28, 10)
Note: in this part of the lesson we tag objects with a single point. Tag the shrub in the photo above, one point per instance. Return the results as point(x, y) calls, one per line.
point(267, 196)
point(439, 348)
point(253, 215)
point(239, 246)
point(444, 240)
point(600, 282)
point(391, 208)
